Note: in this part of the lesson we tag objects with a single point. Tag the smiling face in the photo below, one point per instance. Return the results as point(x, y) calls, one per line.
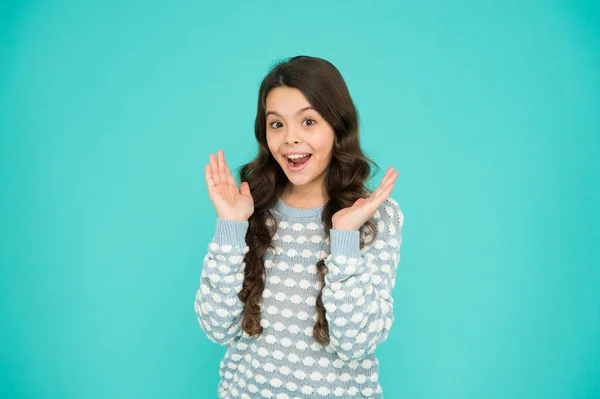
point(294, 127)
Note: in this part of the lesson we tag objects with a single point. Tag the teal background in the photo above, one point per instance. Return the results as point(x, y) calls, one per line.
point(108, 113)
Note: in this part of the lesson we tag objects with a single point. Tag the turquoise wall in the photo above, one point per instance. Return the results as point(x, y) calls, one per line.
point(490, 112)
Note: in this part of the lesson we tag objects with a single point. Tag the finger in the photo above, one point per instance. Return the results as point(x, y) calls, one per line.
point(230, 179)
point(387, 187)
point(388, 179)
point(385, 193)
point(383, 182)
point(214, 168)
point(210, 182)
point(222, 166)
point(388, 176)
point(382, 195)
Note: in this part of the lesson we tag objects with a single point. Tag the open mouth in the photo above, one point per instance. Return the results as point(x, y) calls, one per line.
point(298, 164)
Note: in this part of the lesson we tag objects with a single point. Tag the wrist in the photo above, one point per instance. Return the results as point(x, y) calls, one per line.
point(341, 227)
point(231, 219)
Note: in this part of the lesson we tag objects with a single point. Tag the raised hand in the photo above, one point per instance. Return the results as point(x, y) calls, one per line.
point(229, 202)
point(363, 209)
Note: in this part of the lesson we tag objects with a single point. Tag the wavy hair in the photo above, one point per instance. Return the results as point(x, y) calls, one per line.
point(325, 89)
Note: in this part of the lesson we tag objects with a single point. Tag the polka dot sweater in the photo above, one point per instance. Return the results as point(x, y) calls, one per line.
point(285, 361)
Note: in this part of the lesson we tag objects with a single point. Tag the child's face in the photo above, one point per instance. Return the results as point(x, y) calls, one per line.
point(290, 129)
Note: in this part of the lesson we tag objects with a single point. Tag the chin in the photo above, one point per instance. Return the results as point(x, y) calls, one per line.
point(297, 180)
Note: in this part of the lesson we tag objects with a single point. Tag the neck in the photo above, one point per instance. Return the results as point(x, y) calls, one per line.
point(303, 196)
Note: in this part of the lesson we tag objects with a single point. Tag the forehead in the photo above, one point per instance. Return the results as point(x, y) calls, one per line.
point(285, 100)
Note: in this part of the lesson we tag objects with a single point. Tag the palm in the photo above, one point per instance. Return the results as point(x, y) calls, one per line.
point(230, 202)
point(352, 218)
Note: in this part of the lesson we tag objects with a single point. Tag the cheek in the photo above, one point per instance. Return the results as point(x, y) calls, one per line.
point(271, 143)
point(274, 148)
point(324, 149)
point(324, 143)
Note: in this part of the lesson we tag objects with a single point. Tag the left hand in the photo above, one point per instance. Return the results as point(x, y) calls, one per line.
point(363, 209)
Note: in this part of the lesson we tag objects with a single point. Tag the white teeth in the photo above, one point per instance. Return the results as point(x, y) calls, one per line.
point(296, 156)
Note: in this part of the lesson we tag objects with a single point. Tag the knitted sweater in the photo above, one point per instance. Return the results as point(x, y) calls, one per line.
point(285, 361)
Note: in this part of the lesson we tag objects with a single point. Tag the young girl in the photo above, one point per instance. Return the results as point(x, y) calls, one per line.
point(297, 282)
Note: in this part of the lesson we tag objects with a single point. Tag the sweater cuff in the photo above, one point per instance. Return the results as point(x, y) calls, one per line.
point(232, 232)
point(345, 242)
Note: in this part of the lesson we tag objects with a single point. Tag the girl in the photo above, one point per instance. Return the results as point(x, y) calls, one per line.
point(297, 282)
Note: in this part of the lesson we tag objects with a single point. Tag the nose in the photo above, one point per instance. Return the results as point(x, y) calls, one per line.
point(291, 136)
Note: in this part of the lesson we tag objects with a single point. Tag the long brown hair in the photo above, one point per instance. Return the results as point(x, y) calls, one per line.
point(349, 169)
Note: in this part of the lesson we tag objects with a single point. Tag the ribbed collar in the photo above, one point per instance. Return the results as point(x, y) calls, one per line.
point(298, 213)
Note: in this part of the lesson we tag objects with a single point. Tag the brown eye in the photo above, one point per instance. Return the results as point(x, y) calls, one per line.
point(272, 123)
point(311, 120)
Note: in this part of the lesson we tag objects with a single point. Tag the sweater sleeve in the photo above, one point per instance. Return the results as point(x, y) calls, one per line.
point(357, 294)
point(217, 306)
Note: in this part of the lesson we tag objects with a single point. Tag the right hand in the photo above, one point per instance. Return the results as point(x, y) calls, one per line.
point(229, 202)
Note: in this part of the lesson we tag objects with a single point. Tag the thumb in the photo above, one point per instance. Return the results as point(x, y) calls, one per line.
point(245, 189)
point(358, 201)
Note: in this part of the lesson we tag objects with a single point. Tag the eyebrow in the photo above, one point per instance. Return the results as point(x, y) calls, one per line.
point(298, 112)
